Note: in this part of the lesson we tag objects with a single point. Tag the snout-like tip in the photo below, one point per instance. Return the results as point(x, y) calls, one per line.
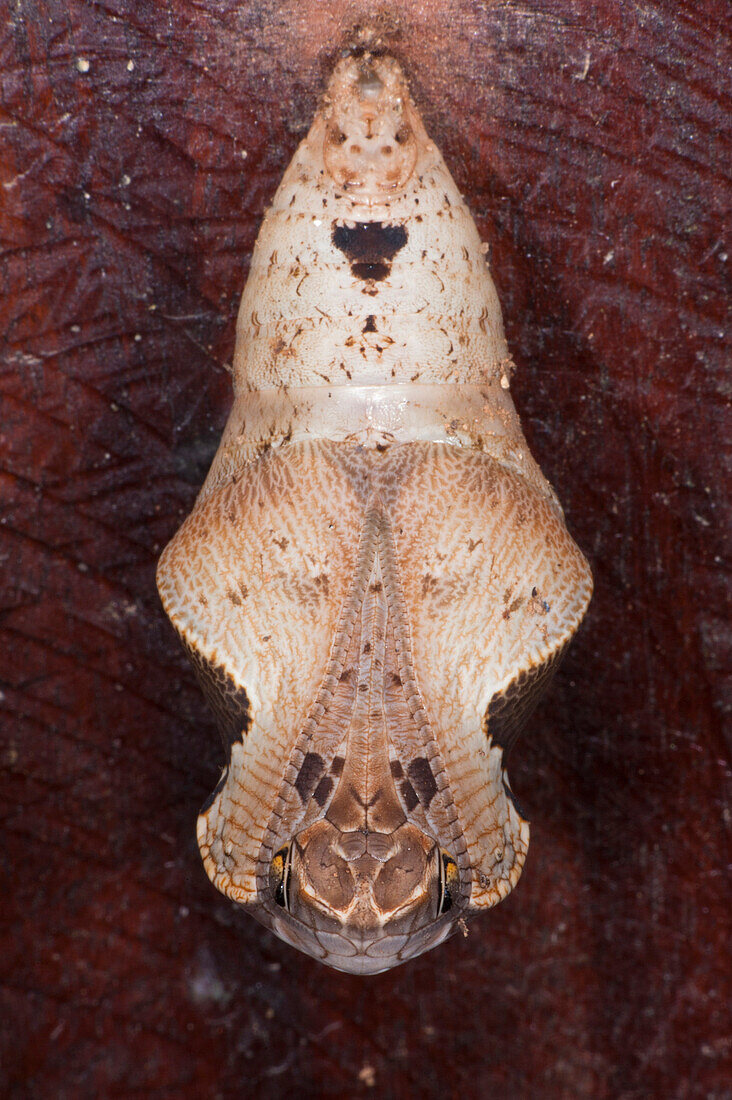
point(372, 131)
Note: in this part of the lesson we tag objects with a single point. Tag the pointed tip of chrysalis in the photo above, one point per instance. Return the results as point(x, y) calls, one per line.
point(372, 127)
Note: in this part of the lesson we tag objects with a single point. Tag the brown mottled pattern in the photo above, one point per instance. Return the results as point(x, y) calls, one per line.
point(372, 565)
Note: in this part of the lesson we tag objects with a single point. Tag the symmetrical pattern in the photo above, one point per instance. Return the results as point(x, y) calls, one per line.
point(376, 582)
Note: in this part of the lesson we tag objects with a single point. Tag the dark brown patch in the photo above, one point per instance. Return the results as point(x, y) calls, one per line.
point(409, 795)
point(396, 769)
point(420, 773)
point(322, 791)
point(514, 607)
point(429, 584)
point(370, 325)
point(369, 247)
point(310, 772)
point(370, 241)
point(367, 648)
point(375, 272)
point(337, 765)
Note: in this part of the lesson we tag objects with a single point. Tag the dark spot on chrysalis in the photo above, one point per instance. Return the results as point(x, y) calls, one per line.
point(311, 770)
point(409, 795)
point(396, 769)
point(336, 766)
point(322, 791)
point(423, 781)
point(370, 325)
point(369, 247)
point(376, 272)
point(371, 241)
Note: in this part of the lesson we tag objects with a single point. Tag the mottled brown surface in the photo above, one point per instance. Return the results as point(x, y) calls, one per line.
point(590, 141)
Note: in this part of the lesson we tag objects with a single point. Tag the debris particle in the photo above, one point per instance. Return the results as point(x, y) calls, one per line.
point(367, 1076)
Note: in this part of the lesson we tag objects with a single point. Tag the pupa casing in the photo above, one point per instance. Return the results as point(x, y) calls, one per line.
point(376, 582)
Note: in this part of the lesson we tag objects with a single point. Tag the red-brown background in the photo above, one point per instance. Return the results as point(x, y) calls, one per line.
point(589, 140)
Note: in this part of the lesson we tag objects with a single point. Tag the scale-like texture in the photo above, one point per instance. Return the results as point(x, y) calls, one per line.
point(375, 566)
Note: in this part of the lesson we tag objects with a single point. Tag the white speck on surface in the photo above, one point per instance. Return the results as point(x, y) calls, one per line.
point(367, 1075)
point(130, 65)
point(82, 65)
point(582, 75)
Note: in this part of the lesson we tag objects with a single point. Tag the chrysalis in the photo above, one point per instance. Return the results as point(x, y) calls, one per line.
point(376, 582)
